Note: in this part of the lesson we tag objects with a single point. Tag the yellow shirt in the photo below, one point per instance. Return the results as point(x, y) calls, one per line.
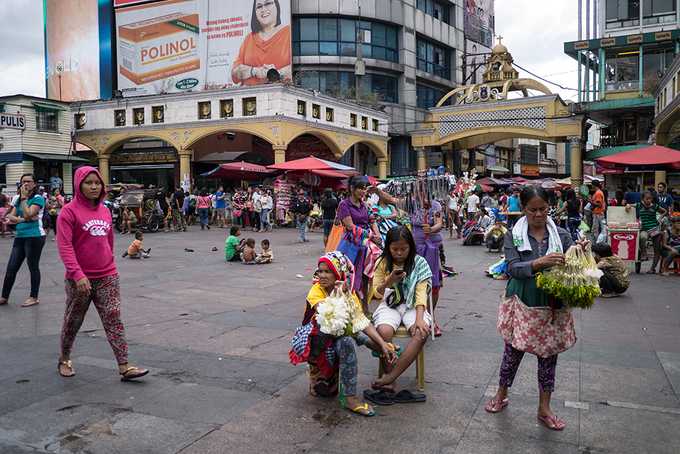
point(317, 294)
point(380, 276)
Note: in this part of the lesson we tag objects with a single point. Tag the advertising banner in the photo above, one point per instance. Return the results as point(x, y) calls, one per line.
point(479, 21)
point(179, 45)
point(77, 48)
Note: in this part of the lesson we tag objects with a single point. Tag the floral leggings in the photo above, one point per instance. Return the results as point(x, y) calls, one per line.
point(105, 295)
point(347, 355)
point(510, 364)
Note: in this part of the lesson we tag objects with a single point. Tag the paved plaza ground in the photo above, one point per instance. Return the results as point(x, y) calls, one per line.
point(216, 338)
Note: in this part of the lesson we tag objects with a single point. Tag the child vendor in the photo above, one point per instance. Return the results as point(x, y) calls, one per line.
point(332, 359)
point(615, 279)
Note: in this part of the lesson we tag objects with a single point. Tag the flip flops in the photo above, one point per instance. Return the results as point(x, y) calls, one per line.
point(408, 397)
point(552, 422)
point(132, 372)
point(379, 396)
point(495, 405)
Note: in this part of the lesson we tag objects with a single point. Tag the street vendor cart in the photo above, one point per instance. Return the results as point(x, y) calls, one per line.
point(624, 235)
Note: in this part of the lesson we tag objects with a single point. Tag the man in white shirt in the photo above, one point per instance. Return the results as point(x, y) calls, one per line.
point(267, 203)
point(453, 214)
point(472, 205)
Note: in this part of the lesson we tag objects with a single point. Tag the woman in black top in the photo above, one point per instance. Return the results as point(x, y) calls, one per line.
point(329, 206)
point(573, 209)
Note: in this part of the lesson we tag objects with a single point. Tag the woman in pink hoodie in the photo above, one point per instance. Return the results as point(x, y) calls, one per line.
point(85, 240)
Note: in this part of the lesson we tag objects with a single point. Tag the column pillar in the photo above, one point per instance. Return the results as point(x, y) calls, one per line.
point(185, 169)
point(279, 154)
point(382, 168)
point(576, 161)
point(104, 168)
point(659, 177)
point(602, 77)
point(421, 159)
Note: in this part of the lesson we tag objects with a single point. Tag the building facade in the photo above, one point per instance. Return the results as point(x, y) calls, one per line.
point(35, 137)
point(623, 50)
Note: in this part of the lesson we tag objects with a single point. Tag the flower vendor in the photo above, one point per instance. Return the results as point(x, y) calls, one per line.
point(333, 322)
point(534, 244)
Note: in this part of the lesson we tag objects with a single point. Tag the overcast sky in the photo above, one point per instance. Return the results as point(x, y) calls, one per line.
point(533, 30)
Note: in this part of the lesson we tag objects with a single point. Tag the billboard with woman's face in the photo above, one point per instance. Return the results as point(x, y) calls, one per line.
point(178, 45)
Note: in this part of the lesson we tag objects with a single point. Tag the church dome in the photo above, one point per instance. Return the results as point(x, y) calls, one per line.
point(499, 49)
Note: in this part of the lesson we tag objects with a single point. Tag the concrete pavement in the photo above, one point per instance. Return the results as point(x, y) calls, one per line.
point(216, 338)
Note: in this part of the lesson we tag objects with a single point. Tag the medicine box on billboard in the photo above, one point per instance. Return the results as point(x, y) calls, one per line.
point(179, 45)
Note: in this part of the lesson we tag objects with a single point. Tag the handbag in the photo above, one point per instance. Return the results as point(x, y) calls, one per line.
point(542, 331)
point(334, 238)
point(348, 247)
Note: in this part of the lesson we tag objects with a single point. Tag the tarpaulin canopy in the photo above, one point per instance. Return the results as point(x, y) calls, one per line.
point(653, 155)
point(329, 173)
point(239, 170)
point(311, 163)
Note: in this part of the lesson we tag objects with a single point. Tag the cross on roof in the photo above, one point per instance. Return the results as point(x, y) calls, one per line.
point(499, 38)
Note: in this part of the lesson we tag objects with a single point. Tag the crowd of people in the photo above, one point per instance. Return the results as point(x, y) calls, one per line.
point(388, 261)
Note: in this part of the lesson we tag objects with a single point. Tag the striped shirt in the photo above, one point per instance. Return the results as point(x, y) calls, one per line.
point(647, 216)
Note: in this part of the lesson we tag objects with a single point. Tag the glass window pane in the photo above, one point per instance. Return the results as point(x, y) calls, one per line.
point(391, 38)
point(309, 48)
point(328, 83)
point(662, 6)
point(309, 29)
point(378, 35)
point(296, 48)
point(348, 49)
point(379, 53)
point(328, 48)
point(309, 79)
point(366, 51)
point(348, 31)
point(296, 29)
point(328, 29)
point(612, 9)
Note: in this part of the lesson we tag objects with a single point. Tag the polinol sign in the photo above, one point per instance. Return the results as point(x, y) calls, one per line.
point(13, 121)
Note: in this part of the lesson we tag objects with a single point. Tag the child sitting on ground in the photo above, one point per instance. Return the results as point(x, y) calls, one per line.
point(136, 248)
point(249, 255)
point(615, 280)
point(670, 246)
point(266, 256)
point(233, 246)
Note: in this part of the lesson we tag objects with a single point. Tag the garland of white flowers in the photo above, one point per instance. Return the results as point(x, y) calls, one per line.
point(338, 315)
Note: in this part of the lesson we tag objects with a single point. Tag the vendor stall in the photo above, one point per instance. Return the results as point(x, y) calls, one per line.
point(624, 233)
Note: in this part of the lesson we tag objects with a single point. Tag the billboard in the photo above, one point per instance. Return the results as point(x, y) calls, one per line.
point(78, 63)
point(479, 21)
point(178, 45)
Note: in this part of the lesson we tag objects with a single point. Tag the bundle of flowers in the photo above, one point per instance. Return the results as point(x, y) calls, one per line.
point(577, 282)
point(337, 315)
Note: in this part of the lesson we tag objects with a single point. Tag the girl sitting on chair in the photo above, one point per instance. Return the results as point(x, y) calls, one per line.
point(403, 281)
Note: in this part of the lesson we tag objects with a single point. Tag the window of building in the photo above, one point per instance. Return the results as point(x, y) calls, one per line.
point(226, 108)
point(654, 65)
point(353, 120)
point(438, 10)
point(626, 13)
point(339, 37)
point(138, 116)
point(157, 114)
point(622, 70)
point(316, 111)
point(301, 108)
point(79, 120)
point(47, 120)
point(375, 125)
point(329, 114)
point(249, 107)
point(341, 84)
point(433, 58)
point(364, 122)
point(119, 117)
point(427, 97)
point(204, 111)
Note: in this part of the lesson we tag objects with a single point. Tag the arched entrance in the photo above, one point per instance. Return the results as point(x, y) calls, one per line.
point(362, 157)
point(502, 107)
point(144, 160)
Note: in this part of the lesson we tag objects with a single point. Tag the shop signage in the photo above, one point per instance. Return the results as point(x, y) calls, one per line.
point(12, 121)
point(143, 158)
point(530, 170)
point(634, 39)
point(662, 36)
point(580, 45)
point(607, 42)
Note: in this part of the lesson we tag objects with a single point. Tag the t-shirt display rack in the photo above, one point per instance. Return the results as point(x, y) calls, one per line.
point(413, 191)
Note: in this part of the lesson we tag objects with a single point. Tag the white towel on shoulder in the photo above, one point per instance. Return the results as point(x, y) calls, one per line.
point(520, 236)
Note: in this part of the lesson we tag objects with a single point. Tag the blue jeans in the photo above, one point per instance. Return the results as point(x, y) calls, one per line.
point(203, 215)
point(264, 218)
point(302, 227)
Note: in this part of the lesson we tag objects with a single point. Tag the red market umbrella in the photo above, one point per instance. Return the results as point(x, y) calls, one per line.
point(653, 155)
point(329, 173)
point(239, 170)
point(311, 163)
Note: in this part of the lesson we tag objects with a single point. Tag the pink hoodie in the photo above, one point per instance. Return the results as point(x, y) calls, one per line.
point(85, 234)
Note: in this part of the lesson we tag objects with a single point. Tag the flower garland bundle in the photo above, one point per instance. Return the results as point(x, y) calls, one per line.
point(337, 315)
point(577, 282)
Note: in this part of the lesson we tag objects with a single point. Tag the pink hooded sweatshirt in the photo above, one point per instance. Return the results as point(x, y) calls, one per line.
point(85, 234)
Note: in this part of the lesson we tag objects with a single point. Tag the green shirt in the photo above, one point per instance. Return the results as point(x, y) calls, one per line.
point(230, 247)
point(647, 216)
point(29, 229)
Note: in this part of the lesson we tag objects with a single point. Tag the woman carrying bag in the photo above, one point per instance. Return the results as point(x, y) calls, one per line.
point(534, 244)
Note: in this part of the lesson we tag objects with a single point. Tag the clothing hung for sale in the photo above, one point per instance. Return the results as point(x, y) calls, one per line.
point(414, 191)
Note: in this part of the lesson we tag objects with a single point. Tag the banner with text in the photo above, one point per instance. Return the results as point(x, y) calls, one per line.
point(179, 45)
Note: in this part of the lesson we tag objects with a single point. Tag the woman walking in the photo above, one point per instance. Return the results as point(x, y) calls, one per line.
point(534, 244)
point(203, 206)
point(27, 213)
point(85, 242)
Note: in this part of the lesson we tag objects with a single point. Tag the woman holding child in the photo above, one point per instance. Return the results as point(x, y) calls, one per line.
point(333, 359)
